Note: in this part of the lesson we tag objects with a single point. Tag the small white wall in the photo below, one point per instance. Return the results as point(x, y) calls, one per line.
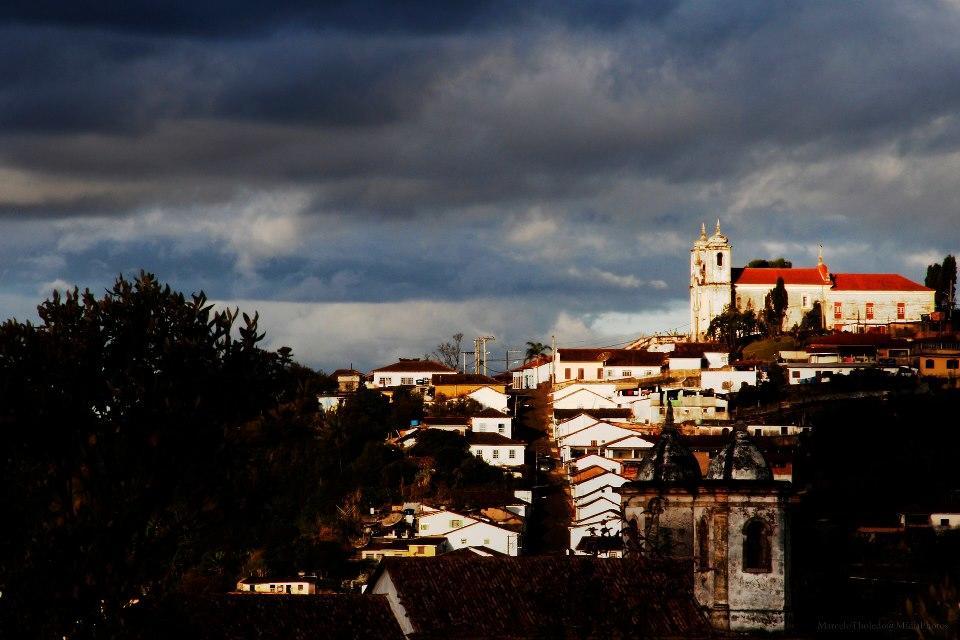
point(490, 398)
point(611, 480)
point(722, 380)
point(499, 455)
point(493, 425)
point(483, 534)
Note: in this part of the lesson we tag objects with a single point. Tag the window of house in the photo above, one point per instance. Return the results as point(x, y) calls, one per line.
point(486, 541)
point(837, 310)
point(456, 523)
point(794, 374)
point(299, 587)
point(757, 432)
point(496, 453)
point(901, 311)
point(566, 373)
point(384, 382)
point(593, 443)
point(424, 527)
point(501, 428)
point(756, 546)
point(406, 380)
point(599, 374)
point(579, 374)
point(944, 522)
point(928, 364)
point(953, 364)
point(420, 550)
point(806, 302)
point(869, 311)
point(783, 431)
point(703, 543)
point(463, 541)
point(512, 455)
point(626, 373)
point(479, 453)
point(719, 259)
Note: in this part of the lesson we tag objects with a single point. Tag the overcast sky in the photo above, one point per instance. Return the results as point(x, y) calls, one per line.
point(373, 177)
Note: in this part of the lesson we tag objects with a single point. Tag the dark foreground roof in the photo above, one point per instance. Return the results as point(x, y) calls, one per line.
point(266, 616)
point(542, 597)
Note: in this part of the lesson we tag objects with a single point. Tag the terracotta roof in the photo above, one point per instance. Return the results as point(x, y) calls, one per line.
point(635, 358)
point(588, 474)
point(517, 597)
point(600, 544)
point(294, 617)
point(483, 438)
point(769, 275)
point(415, 365)
point(613, 357)
point(534, 362)
point(874, 282)
point(462, 378)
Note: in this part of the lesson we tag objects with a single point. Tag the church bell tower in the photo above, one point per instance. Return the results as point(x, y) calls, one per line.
point(711, 288)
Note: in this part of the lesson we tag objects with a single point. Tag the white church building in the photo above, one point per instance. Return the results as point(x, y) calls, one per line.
point(849, 301)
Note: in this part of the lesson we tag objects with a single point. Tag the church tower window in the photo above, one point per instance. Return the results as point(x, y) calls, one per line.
point(869, 311)
point(756, 547)
point(703, 543)
point(719, 259)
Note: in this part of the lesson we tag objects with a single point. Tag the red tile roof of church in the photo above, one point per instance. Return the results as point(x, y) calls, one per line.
point(769, 275)
point(814, 276)
point(874, 282)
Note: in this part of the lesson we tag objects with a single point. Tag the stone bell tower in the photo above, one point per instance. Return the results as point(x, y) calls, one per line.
point(711, 288)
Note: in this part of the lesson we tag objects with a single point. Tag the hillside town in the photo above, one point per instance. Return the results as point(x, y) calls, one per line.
point(672, 479)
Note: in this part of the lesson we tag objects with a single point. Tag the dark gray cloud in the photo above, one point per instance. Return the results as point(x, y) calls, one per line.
point(561, 153)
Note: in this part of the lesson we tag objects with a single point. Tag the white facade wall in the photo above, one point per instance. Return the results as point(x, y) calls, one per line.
point(854, 306)
point(531, 377)
point(484, 534)
point(570, 369)
point(503, 426)
point(565, 428)
point(499, 455)
point(685, 363)
point(945, 520)
point(384, 379)
point(626, 371)
point(722, 380)
point(591, 437)
point(802, 374)
point(800, 299)
point(600, 388)
point(440, 523)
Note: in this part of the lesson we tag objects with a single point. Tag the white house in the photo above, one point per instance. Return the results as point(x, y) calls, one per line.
point(492, 421)
point(597, 364)
point(597, 505)
point(533, 373)
point(632, 447)
point(496, 450)
point(607, 479)
point(590, 440)
point(408, 372)
point(439, 522)
point(490, 398)
point(566, 427)
point(803, 373)
point(584, 399)
point(301, 585)
point(484, 534)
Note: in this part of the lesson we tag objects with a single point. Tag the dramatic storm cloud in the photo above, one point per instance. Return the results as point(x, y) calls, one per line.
point(374, 177)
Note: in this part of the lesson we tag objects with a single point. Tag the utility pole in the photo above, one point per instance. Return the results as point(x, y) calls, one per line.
point(553, 359)
point(480, 354)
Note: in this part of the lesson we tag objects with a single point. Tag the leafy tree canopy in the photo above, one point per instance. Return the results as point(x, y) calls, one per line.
point(781, 263)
